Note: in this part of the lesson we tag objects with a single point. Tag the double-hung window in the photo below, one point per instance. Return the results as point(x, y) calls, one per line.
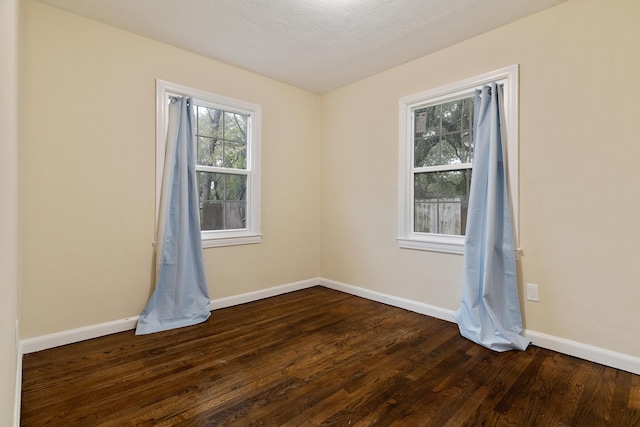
point(436, 160)
point(227, 146)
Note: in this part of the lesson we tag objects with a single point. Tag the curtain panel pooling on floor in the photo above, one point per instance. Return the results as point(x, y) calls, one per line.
point(489, 313)
point(181, 297)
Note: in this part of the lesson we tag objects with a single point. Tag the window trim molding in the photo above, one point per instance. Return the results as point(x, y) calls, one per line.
point(409, 239)
point(216, 238)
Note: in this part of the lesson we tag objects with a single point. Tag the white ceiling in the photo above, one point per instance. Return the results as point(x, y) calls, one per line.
point(318, 45)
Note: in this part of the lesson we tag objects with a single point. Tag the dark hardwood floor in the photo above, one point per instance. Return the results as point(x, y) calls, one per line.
point(318, 357)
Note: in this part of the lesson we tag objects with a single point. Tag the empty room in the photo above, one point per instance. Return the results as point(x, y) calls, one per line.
point(390, 212)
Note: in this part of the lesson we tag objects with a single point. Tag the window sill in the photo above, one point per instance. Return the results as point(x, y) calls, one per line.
point(246, 239)
point(434, 243)
point(444, 244)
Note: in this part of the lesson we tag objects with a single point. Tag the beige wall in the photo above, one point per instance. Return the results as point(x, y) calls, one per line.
point(88, 159)
point(579, 209)
point(9, 36)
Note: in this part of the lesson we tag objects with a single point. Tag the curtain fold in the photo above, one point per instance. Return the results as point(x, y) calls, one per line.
point(489, 313)
point(181, 297)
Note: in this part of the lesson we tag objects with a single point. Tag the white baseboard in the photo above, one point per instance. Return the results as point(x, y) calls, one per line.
point(561, 345)
point(584, 351)
point(417, 307)
point(219, 303)
point(57, 339)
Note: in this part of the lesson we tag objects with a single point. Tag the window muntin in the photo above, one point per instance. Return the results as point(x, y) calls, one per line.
point(227, 142)
point(436, 161)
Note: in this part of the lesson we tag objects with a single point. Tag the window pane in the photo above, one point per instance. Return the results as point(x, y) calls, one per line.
point(210, 151)
point(235, 155)
point(440, 202)
point(426, 121)
point(433, 120)
point(426, 194)
point(467, 113)
point(235, 141)
point(450, 117)
point(207, 121)
point(426, 138)
point(467, 130)
point(209, 136)
point(427, 152)
point(235, 127)
point(467, 146)
point(454, 192)
point(451, 149)
point(235, 186)
point(222, 201)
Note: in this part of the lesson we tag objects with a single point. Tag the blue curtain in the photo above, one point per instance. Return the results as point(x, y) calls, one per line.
point(489, 313)
point(180, 297)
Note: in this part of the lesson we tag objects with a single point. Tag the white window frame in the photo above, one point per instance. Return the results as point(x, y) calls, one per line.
point(407, 237)
point(216, 238)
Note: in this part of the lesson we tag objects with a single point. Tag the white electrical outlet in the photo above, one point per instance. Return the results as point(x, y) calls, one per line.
point(532, 292)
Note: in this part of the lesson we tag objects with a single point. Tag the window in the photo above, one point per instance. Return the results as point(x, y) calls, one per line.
point(436, 160)
point(227, 143)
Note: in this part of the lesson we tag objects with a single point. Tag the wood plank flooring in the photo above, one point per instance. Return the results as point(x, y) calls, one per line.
point(318, 357)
